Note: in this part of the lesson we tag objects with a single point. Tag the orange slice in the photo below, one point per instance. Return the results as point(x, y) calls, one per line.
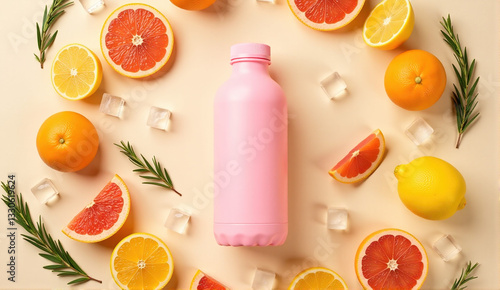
point(141, 261)
point(317, 279)
point(391, 259)
point(326, 14)
point(202, 281)
point(362, 160)
point(104, 216)
point(136, 40)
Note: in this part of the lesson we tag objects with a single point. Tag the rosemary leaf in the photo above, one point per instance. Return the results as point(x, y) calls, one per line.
point(465, 276)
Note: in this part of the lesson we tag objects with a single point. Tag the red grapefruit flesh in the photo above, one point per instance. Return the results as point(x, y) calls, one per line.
point(391, 259)
point(362, 160)
point(104, 216)
point(137, 40)
point(202, 281)
point(326, 14)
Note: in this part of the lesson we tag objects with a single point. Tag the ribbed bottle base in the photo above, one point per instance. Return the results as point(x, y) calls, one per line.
point(250, 235)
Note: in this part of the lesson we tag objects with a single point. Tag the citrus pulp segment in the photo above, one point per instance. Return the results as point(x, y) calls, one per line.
point(202, 281)
point(391, 259)
point(326, 14)
point(104, 216)
point(389, 24)
point(76, 72)
point(141, 261)
point(362, 160)
point(137, 40)
point(317, 279)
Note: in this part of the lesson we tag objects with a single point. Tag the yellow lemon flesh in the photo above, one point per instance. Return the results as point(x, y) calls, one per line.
point(431, 187)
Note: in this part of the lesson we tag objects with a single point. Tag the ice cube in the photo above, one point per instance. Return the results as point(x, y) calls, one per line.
point(333, 85)
point(92, 6)
point(446, 247)
point(263, 280)
point(337, 218)
point(112, 105)
point(177, 220)
point(159, 118)
point(45, 191)
point(419, 131)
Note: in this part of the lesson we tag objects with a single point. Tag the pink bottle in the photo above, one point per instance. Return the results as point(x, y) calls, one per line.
point(250, 162)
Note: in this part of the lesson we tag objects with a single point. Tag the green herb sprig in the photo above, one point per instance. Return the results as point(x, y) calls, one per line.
point(43, 36)
point(160, 176)
point(465, 97)
point(465, 276)
point(52, 249)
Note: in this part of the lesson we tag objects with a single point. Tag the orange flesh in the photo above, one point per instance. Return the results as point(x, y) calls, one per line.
point(353, 163)
point(136, 40)
point(326, 11)
point(102, 214)
point(392, 262)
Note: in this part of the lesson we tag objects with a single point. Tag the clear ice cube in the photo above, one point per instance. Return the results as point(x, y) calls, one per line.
point(112, 105)
point(92, 6)
point(263, 280)
point(177, 220)
point(333, 85)
point(159, 118)
point(267, 1)
point(419, 131)
point(45, 191)
point(446, 247)
point(337, 218)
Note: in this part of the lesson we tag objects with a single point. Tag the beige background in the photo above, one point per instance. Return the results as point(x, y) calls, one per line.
point(320, 133)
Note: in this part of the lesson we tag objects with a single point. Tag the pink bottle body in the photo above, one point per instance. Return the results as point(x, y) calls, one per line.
point(250, 153)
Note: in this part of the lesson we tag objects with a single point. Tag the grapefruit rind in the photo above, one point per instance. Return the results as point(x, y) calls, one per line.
point(335, 174)
point(401, 35)
point(169, 48)
point(375, 237)
point(197, 278)
point(97, 73)
point(305, 272)
point(114, 254)
point(118, 224)
point(348, 18)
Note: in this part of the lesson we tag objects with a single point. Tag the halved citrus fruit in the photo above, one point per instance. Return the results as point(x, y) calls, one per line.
point(192, 4)
point(317, 278)
point(137, 40)
point(104, 216)
point(76, 72)
point(326, 14)
point(141, 261)
point(362, 160)
point(391, 259)
point(202, 281)
point(389, 24)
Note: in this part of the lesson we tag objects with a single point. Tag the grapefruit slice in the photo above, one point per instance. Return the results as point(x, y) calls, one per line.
point(202, 281)
point(326, 15)
point(141, 261)
point(391, 259)
point(104, 216)
point(362, 160)
point(317, 279)
point(136, 40)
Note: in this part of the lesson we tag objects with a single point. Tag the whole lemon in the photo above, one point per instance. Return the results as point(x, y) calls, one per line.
point(431, 187)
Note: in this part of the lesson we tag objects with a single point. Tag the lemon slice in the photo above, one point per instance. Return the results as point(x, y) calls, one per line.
point(141, 261)
point(389, 24)
point(318, 278)
point(76, 72)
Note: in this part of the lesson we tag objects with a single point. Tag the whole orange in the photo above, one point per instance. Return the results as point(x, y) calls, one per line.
point(415, 80)
point(67, 141)
point(192, 4)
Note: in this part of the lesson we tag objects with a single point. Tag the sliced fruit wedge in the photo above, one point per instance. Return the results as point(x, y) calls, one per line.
point(389, 24)
point(362, 160)
point(202, 281)
point(317, 279)
point(104, 216)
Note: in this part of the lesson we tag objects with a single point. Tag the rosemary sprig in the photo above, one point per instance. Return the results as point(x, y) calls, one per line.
point(43, 36)
point(464, 276)
point(52, 249)
point(464, 98)
point(160, 176)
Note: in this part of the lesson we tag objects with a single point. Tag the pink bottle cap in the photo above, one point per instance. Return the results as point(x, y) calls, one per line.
point(250, 50)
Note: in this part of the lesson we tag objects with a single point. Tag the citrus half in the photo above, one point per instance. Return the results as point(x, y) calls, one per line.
point(317, 278)
point(192, 4)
